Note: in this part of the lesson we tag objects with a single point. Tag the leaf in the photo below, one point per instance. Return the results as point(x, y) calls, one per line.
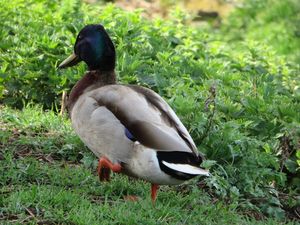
point(273, 211)
point(234, 194)
point(10, 101)
point(298, 155)
point(87, 161)
point(296, 182)
point(261, 70)
point(267, 148)
point(64, 81)
point(208, 163)
point(274, 201)
point(276, 212)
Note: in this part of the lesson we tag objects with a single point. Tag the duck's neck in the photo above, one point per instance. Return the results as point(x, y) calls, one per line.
point(91, 80)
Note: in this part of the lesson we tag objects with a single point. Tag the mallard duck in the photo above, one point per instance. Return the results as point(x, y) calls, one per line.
point(130, 128)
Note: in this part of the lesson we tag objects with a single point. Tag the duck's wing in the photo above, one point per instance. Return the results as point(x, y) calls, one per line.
point(148, 118)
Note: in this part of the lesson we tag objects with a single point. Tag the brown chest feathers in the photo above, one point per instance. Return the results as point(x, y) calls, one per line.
point(91, 80)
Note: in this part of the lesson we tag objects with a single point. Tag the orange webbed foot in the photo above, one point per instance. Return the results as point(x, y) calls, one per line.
point(104, 168)
point(132, 198)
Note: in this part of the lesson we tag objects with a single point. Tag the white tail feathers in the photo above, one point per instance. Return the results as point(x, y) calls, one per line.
point(186, 168)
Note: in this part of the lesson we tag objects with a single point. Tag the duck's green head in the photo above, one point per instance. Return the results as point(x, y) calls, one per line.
point(94, 47)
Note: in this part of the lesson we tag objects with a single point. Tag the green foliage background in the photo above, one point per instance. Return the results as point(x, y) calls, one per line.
point(251, 138)
point(272, 22)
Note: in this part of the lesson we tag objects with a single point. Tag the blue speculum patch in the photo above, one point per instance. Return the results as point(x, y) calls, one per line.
point(129, 135)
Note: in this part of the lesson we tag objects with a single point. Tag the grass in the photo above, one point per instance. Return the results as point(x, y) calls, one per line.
point(41, 183)
point(39, 179)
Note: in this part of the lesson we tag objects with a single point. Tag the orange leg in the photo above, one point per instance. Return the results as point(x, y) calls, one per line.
point(154, 188)
point(104, 168)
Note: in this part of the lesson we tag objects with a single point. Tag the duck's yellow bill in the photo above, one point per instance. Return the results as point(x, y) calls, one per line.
point(72, 60)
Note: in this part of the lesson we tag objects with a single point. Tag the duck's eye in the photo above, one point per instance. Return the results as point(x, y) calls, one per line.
point(80, 37)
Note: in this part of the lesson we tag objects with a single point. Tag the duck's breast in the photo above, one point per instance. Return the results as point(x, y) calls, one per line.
point(100, 130)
